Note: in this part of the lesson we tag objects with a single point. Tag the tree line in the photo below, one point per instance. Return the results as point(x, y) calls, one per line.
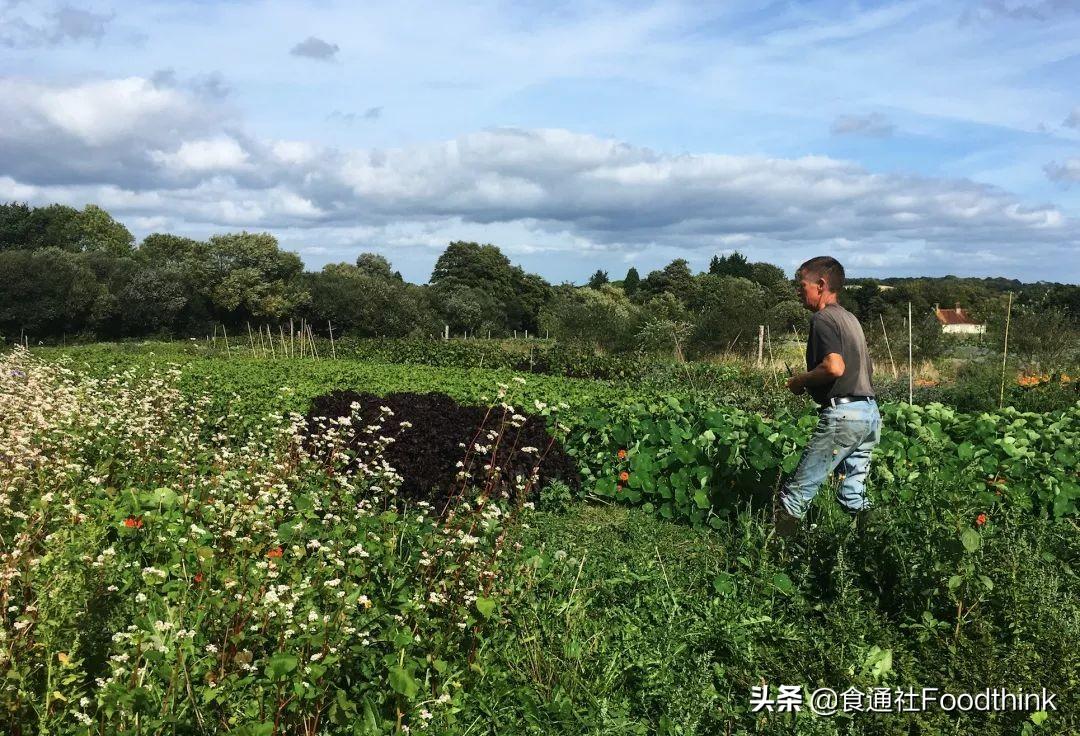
point(80, 274)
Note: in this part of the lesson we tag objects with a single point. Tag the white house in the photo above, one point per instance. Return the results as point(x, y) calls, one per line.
point(956, 321)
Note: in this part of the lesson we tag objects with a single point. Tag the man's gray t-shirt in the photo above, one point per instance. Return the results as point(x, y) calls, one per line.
point(836, 330)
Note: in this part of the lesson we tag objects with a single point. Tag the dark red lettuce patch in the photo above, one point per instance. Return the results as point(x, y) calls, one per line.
point(427, 453)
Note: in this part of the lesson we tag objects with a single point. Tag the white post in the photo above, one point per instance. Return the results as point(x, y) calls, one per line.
point(760, 345)
point(446, 332)
point(333, 350)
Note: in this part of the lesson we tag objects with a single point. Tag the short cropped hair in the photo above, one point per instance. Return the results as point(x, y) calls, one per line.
point(825, 267)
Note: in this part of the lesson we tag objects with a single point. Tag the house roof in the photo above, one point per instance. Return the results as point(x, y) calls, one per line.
point(954, 317)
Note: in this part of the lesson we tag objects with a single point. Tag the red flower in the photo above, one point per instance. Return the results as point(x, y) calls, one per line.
point(622, 454)
point(132, 523)
point(624, 476)
point(980, 519)
point(198, 577)
point(275, 552)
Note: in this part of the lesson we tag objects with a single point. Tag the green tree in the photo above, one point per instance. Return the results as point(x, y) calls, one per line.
point(153, 299)
point(477, 289)
point(376, 266)
point(598, 279)
point(732, 265)
point(45, 292)
point(253, 278)
point(675, 278)
point(358, 303)
point(54, 226)
point(531, 293)
point(631, 282)
point(602, 319)
point(725, 310)
point(14, 225)
point(98, 231)
point(162, 248)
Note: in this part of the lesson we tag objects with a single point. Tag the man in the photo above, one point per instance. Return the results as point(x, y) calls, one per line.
point(837, 377)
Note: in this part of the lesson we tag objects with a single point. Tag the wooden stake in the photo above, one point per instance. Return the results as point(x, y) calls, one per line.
point(768, 335)
point(910, 375)
point(333, 350)
point(760, 345)
point(251, 340)
point(894, 373)
point(225, 333)
point(1005, 353)
point(270, 339)
point(292, 339)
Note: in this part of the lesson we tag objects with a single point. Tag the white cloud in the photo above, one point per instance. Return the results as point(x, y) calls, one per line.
point(212, 154)
point(99, 112)
point(167, 153)
point(293, 152)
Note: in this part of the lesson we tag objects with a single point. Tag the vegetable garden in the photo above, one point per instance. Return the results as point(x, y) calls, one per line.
point(185, 552)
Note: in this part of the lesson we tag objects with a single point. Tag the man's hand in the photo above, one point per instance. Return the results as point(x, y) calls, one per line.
point(795, 385)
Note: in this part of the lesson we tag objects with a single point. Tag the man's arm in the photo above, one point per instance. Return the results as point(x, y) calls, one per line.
point(828, 370)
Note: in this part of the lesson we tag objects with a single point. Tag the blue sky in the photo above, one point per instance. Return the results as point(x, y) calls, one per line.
point(905, 138)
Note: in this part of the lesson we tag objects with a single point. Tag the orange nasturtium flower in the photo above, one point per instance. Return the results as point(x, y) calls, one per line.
point(624, 476)
point(275, 552)
point(622, 454)
point(980, 519)
point(198, 577)
point(132, 523)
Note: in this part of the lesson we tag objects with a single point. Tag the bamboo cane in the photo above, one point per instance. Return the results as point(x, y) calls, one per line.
point(772, 359)
point(894, 373)
point(225, 334)
point(1005, 353)
point(910, 376)
point(251, 340)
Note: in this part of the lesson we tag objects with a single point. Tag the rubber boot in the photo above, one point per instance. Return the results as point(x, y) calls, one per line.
point(864, 519)
point(784, 524)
